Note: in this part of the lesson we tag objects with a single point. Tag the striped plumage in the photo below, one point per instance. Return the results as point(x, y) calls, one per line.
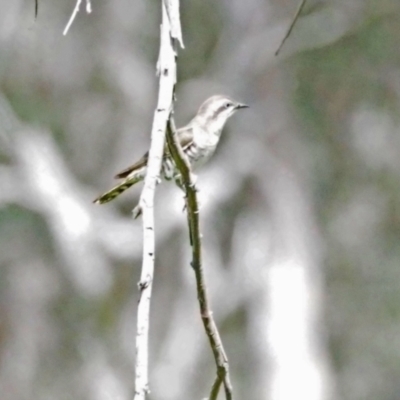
point(198, 140)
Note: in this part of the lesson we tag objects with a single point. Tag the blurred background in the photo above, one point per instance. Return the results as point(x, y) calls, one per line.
point(300, 206)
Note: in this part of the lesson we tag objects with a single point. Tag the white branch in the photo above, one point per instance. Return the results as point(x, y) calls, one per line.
point(166, 68)
point(75, 12)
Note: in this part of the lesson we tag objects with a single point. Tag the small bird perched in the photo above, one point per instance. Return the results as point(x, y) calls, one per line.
point(198, 140)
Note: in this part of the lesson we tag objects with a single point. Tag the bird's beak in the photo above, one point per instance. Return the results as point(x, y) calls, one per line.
point(239, 106)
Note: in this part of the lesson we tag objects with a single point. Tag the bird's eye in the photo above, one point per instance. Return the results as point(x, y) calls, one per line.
point(227, 105)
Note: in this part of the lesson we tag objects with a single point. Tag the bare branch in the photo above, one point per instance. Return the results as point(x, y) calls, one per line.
point(192, 207)
point(166, 68)
point(75, 12)
point(291, 26)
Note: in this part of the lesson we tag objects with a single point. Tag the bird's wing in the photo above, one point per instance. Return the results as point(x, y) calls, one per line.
point(185, 137)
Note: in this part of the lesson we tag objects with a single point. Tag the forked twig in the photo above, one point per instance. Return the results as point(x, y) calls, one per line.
point(75, 12)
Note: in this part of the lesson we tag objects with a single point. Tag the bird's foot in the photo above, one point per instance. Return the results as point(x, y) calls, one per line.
point(193, 180)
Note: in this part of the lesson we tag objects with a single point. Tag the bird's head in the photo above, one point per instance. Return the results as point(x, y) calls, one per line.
point(216, 110)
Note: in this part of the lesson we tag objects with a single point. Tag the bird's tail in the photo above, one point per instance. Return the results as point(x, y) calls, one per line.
point(118, 189)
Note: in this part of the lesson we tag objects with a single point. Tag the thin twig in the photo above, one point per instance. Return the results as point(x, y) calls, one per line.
point(291, 26)
point(192, 207)
point(215, 388)
point(75, 12)
point(36, 8)
point(166, 68)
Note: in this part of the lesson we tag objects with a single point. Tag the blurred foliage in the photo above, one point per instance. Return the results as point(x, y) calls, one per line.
point(324, 120)
point(362, 274)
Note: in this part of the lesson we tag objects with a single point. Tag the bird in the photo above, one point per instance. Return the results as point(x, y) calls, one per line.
point(198, 140)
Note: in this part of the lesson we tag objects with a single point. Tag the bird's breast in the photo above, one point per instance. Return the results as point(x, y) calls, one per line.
point(206, 139)
point(198, 155)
